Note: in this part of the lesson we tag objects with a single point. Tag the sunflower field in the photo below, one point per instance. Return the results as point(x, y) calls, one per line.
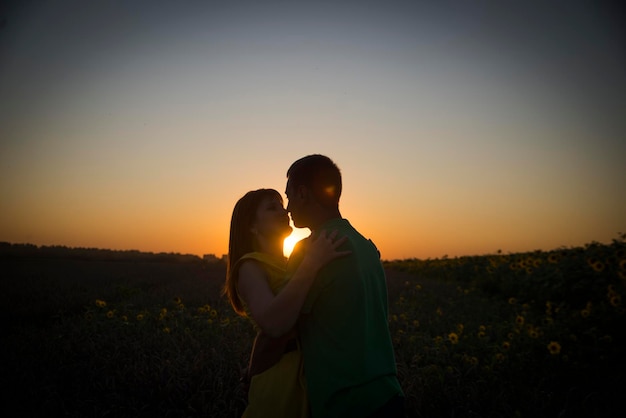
point(532, 334)
point(537, 334)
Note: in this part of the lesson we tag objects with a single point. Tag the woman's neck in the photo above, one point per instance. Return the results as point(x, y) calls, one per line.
point(276, 252)
point(274, 248)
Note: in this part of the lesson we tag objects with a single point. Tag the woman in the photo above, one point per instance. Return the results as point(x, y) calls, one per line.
point(256, 286)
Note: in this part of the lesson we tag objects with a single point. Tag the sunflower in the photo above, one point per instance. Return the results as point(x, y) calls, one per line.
point(598, 266)
point(453, 337)
point(519, 320)
point(554, 348)
point(616, 300)
point(100, 303)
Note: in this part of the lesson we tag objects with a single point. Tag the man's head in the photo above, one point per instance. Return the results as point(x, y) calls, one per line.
point(313, 190)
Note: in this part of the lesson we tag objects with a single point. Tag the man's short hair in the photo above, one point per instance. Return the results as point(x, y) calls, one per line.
point(320, 174)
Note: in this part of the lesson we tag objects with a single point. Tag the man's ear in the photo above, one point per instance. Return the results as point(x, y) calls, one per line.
point(302, 192)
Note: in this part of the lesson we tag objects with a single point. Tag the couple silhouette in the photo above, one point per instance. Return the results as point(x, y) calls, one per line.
point(323, 347)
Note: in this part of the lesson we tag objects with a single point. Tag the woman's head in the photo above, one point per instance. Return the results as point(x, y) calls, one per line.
point(258, 218)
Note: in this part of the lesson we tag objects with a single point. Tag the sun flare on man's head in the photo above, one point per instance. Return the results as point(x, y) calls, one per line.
point(290, 242)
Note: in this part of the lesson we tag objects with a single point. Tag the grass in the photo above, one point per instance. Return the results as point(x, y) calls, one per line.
point(530, 335)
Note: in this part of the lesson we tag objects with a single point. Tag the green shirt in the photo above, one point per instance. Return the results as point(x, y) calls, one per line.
point(349, 362)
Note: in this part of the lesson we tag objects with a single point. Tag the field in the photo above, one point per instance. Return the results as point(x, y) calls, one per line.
point(537, 334)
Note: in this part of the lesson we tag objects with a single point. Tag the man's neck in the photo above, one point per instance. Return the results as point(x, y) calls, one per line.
point(323, 217)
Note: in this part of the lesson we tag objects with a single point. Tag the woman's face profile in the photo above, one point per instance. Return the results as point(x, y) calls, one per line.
point(272, 220)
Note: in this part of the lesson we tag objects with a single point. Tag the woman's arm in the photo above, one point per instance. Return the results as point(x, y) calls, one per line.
point(277, 314)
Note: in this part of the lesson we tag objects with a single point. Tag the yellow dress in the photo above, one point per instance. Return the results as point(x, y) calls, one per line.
point(278, 391)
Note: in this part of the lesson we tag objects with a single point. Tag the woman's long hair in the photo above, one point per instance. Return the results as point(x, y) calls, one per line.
point(242, 240)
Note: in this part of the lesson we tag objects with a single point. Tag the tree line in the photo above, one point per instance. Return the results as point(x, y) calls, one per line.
point(11, 250)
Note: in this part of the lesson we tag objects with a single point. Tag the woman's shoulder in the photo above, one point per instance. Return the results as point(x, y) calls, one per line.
point(262, 258)
point(250, 261)
point(250, 266)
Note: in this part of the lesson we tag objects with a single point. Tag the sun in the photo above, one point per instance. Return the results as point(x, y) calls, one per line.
point(297, 235)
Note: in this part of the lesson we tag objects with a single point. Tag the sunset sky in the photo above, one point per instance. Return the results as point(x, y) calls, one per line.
point(459, 129)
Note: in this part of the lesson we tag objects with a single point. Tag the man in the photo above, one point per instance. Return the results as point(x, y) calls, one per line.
point(349, 362)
